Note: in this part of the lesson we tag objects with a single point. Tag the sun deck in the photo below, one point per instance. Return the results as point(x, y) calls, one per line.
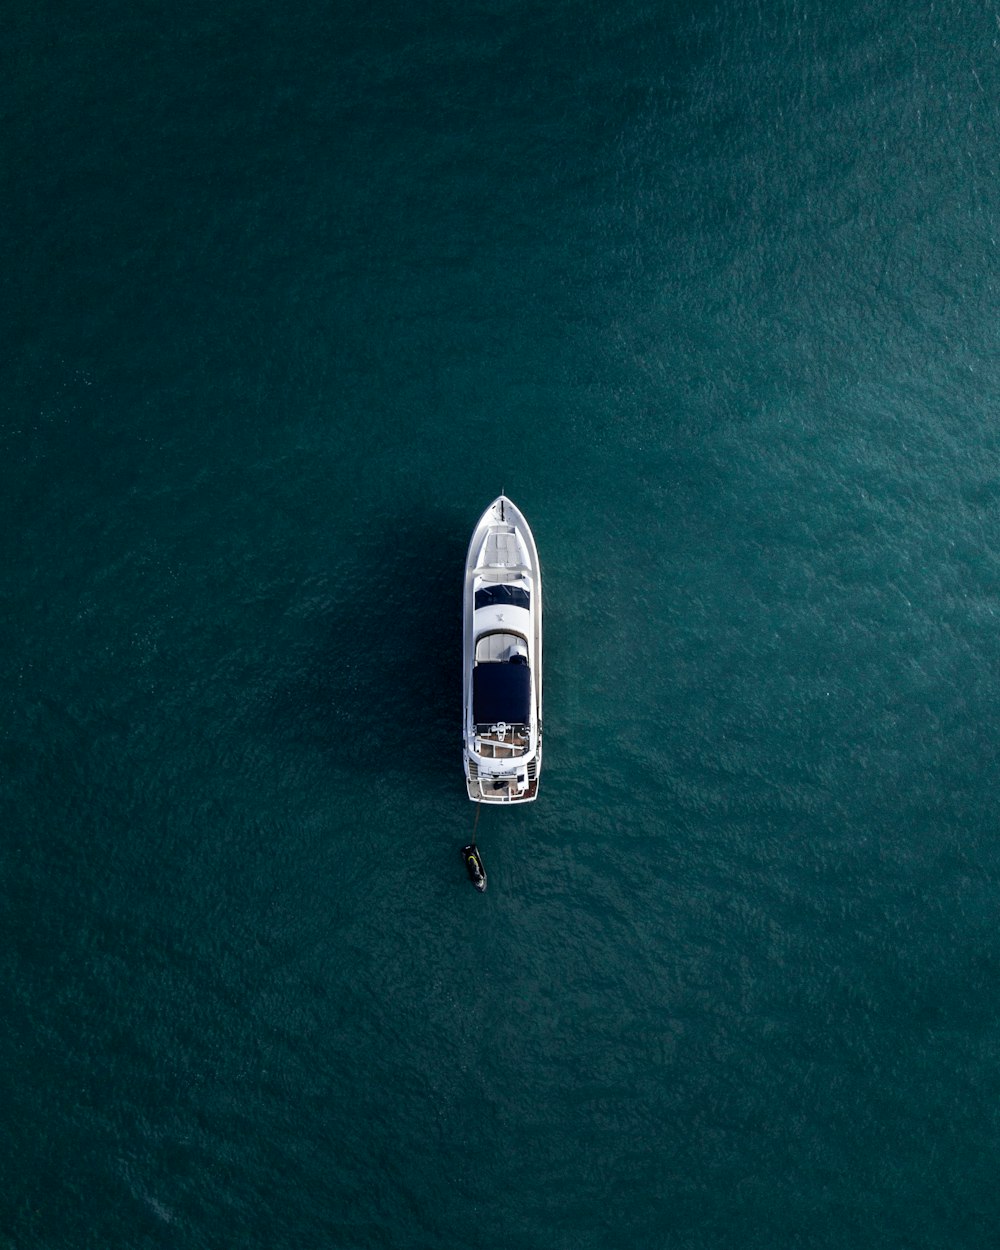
point(502, 558)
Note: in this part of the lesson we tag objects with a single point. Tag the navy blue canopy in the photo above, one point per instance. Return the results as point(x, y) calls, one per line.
point(501, 692)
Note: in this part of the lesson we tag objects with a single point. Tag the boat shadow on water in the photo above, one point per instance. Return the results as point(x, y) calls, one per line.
point(374, 674)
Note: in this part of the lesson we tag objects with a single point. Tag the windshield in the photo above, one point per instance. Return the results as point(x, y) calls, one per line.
point(502, 596)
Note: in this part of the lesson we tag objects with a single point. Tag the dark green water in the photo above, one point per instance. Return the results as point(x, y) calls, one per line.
point(289, 296)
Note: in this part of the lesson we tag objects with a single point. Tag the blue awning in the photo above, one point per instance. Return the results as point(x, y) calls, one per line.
point(501, 692)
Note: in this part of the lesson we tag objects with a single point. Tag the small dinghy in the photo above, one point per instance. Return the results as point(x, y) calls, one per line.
point(474, 866)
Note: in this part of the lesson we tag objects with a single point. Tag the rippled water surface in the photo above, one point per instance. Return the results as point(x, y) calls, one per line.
point(289, 297)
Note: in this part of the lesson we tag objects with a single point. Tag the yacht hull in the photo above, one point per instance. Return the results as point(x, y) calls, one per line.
point(502, 654)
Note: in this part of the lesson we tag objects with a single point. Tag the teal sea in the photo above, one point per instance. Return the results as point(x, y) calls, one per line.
point(290, 293)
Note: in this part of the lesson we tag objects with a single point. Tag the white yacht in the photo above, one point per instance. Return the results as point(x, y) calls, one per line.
point(503, 659)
